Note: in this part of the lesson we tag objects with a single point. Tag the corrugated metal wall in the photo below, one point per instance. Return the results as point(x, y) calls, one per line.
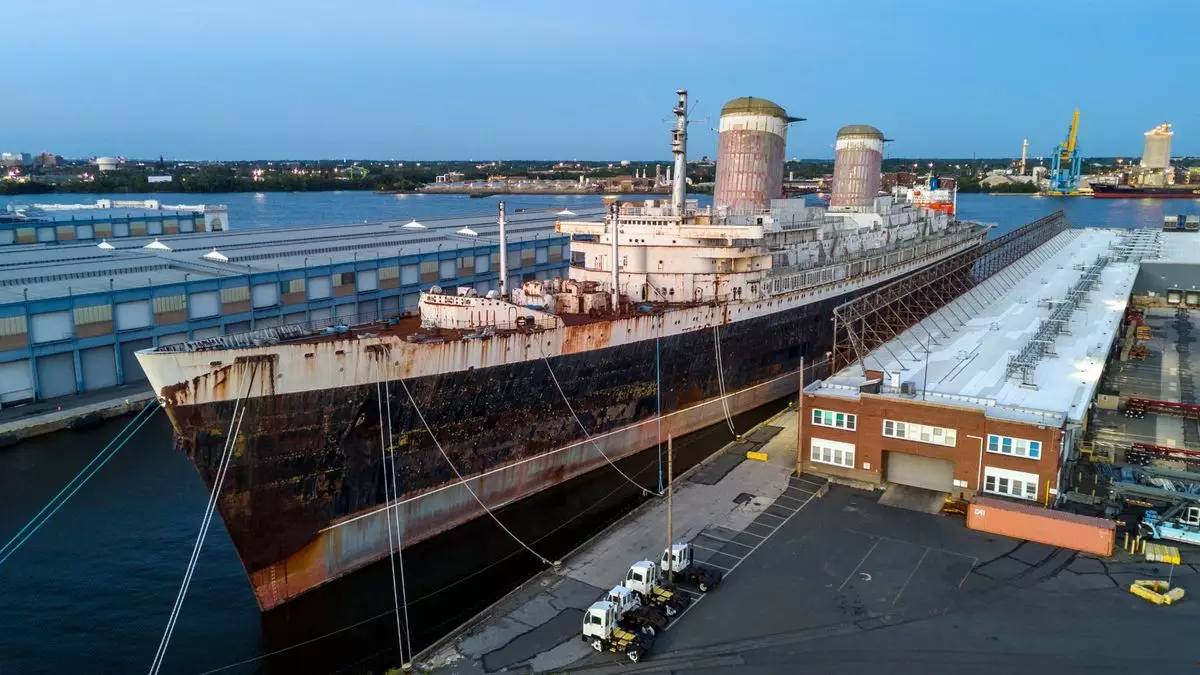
point(99, 368)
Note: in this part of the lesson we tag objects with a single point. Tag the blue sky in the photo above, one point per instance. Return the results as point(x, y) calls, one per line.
point(571, 79)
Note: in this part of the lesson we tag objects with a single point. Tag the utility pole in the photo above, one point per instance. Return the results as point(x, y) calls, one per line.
point(670, 489)
point(800, 422)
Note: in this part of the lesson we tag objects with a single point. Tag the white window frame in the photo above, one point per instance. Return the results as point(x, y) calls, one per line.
point(849, 420)
point(1015, 447)
point(1018, 484)
point(920, 433)
point(833, 453)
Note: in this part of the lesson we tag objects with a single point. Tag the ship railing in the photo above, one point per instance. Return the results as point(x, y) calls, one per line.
point(272, 335)
point(932, 246)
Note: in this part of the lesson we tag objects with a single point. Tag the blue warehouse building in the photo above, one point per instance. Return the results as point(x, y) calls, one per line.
point(78, 297)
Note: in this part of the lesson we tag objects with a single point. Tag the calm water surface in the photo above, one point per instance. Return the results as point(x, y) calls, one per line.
point(92, 590)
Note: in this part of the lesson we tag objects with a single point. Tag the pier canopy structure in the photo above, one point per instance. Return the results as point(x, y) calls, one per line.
point(979, 377)
point(873, 319)
point(79, 296)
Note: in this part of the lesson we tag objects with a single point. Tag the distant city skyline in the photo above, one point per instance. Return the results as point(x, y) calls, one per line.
point(555, 80)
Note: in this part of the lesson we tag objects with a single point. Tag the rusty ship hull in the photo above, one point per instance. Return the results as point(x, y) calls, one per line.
point(304, 499)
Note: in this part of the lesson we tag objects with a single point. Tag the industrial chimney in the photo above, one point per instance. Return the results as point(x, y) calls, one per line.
point(750, 154)
point(856, 166)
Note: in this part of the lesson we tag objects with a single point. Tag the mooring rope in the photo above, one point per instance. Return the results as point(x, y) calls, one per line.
point(235, 427)
point(462, 480)
point(59, 500)
point(584, 429)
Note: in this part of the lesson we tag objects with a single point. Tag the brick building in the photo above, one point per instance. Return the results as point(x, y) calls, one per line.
point(965, 416)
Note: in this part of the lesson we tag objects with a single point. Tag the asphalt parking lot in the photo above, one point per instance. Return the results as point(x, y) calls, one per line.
point(847, 585)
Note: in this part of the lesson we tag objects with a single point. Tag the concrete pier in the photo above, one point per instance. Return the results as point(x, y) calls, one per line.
point(36, 419)
point(725, 506)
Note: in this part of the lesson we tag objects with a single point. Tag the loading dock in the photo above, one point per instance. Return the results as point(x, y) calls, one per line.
point(929, 473)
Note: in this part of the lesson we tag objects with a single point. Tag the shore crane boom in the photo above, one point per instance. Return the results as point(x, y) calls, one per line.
point(1065, 166)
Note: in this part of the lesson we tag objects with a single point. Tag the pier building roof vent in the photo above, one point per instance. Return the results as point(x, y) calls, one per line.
point(157, 245)
point(413, 225)
point(215, 256)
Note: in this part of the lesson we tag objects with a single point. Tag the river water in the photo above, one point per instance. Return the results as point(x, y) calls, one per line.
point(92, 590)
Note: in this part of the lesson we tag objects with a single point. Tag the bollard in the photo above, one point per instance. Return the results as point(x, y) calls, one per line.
point(557, 565)
point(1142, 548)
point(1125, 546)
point(407, 667)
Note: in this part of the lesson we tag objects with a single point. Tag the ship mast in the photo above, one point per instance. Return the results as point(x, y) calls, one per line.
point(679, 149)
point(502, 221)
point(614, 214)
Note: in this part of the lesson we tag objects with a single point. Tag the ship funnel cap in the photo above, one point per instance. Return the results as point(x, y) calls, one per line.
point(749, 105)
point(859, 131)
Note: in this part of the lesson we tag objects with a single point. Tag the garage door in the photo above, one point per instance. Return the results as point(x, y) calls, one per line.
point(133, 369)
point(922, 472)
point(99, 368)
point(16, 382)
point(56, 375)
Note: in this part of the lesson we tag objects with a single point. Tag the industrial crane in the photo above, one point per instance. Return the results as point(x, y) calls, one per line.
point(1064, 169)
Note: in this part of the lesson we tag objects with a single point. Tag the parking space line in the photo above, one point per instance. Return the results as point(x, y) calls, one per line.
point(723, 541)
point(764, 513)
point(787, 497)
point(739, 562)
point(798, 489)
point(707, 563)
point(911, 543)
point(713, 550)
point(910, 576)
point(760, 536)
point(805, 480)
point(974, 562)
point(860, 562)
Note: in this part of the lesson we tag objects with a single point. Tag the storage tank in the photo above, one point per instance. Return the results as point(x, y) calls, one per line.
point(750, 154)
point(858, 156)
point(1157, 151)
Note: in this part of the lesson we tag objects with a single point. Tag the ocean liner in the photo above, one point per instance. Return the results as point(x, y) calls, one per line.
point(527, 387)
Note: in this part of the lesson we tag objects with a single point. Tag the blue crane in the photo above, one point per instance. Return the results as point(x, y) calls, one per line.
point(1064, 167)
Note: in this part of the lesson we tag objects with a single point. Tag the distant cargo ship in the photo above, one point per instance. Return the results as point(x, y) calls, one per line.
point(1136, 192)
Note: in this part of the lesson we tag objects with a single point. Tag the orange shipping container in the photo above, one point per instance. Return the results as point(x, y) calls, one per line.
point(1045, 526)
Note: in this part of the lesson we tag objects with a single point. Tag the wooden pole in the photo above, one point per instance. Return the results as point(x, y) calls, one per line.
point(670, 489)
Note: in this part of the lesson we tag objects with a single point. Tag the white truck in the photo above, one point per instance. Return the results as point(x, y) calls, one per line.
point(601, 630)
point(633, 615)
point(645, 579)
point(679, 560)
